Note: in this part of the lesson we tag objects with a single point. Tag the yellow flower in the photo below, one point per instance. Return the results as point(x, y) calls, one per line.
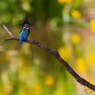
point(37, 90)
point(76, 14)
point(64, 1)
point(92, 25)
point(92, 28)
point(64, 52)
point(49, 80)
point(80, 64)
point(61, 1)
point(91, 57)
point(75, 38)
point(92, 22)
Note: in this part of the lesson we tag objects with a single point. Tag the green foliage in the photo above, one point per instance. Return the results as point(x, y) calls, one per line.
point(20, 11)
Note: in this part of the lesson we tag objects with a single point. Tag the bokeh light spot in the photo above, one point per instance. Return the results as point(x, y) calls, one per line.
point(80, 64)
point(75, 38)
point(75, 14)
point(64, 52)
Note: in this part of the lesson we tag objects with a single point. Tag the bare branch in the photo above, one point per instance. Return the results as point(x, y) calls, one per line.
point(8, 31)
point(57, 56)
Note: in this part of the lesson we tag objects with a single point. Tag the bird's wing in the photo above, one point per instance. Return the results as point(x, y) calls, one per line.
point(26, 33)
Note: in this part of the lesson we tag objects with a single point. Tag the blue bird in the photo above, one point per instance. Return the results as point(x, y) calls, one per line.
point(24, 33)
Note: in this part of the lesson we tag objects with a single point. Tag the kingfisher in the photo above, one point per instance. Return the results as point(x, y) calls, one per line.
point(24, 33)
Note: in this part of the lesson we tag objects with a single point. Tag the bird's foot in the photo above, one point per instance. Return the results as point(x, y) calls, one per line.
point(25, 40)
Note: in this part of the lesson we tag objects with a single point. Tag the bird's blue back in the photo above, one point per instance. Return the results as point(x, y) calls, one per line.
point(23, 34)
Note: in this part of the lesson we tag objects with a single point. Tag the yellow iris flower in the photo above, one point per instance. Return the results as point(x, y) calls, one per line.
point(49, 80)
point(92, 25)
point(75, 14)
point(80, 64)
point(64, 52)
point(75, 38)
point(64, 1)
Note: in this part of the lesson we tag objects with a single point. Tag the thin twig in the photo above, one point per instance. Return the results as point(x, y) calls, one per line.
point(8, 31)
point(57, 56)
point(87, 90)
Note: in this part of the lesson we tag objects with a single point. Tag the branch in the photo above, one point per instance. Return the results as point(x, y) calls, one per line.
point(79, 79)
point(8, 31)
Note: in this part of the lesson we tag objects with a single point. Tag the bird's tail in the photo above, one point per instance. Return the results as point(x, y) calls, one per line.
point(21, 38)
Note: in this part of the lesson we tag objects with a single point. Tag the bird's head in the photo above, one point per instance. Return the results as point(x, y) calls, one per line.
point(27, 26)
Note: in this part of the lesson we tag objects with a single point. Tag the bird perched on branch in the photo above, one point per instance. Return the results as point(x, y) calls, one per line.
point(24, 33)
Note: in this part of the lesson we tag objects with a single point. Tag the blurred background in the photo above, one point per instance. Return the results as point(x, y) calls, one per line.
point(67, 26)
